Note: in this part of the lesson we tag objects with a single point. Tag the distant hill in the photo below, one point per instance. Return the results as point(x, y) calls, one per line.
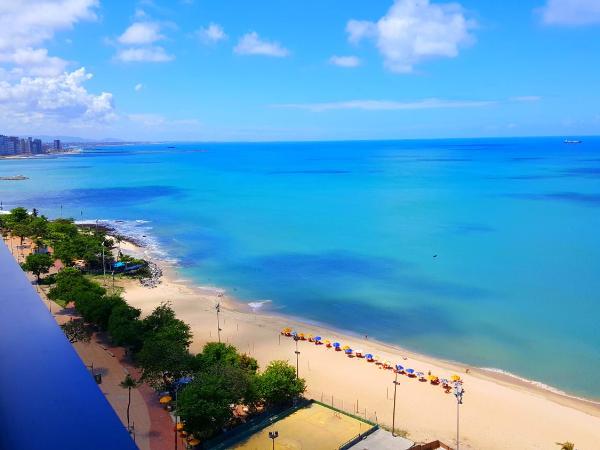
point(46, 138)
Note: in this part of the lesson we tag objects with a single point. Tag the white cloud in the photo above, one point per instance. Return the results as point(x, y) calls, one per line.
point(415, 30)
point(54, 100)
point(388, 105)
point(144, 54)
point(212, 33)
point(26, 24)
point(140, 33)
point(252, 44)
point(345, 61)
point(571, 12)
point(138, 87)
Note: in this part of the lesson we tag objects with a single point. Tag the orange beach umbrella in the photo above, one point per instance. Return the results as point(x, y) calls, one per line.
point(165, 399)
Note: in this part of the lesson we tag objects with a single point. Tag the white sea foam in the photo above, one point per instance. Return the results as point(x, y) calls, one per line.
point(538, 384)
point(258, 304)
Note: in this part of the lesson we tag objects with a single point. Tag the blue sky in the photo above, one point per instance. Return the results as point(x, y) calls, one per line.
point(312, 69)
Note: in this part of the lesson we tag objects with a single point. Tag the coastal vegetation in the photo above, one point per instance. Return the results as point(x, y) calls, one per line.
point(207, 386)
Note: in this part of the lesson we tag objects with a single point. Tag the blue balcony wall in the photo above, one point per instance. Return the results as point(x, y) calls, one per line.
point(48, 399)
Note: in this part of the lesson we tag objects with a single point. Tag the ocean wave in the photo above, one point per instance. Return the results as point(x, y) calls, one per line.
point(537, 384)
point(258, 304)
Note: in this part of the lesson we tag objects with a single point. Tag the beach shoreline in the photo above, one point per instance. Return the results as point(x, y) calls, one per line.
point(258, 334)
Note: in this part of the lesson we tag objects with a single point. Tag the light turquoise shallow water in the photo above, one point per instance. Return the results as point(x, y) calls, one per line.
point(346, 232)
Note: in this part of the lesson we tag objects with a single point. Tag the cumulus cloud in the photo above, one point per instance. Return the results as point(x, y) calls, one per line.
point(144, 54)
point(26, 24)
point(571, 12)
point(252, 44)
point(140, 33)
point(212, 33)
point(387, 105)
point(345, 61)
point(413, 31)
point(54, 99)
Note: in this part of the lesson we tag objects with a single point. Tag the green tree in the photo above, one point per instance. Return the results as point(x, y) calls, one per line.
point(125, 328)
point(20, 229)
point(163, 361)
point(19, 215)
point(37, 228)
point(99, 310)
point(204, 404)
point(128, 383)
point(72, 286)
point(76, 331)
point(215, 353)
point(164, 322)
point(278, 384)
point(38, 263)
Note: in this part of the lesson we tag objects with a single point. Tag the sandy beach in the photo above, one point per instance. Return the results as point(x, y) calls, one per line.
point(499, 411)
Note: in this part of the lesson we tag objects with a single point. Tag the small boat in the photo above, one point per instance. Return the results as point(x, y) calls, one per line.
point(171, 146)
point(572, 141)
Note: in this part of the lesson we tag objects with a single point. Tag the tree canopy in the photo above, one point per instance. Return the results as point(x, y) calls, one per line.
point(38, 264)
point(278, 384)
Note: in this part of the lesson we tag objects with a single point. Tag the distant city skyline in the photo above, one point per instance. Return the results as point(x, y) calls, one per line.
point(251, 71)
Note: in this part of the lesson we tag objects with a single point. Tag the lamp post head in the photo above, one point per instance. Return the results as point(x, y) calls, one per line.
point(273, 434)
point(458, 392)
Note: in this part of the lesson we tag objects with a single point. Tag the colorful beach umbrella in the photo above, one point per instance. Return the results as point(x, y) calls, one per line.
point(336, 344)
point(345, 347)
point(369, 356)
point(348, 351)
point(411, 371)
point(455, 378)
point(317, 339)
point(399, 368)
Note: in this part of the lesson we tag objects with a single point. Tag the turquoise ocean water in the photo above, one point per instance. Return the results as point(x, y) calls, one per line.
point(482, 251)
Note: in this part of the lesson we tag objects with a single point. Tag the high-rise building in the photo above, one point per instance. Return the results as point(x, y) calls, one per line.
point(25, 146)
point(4, 141)
point(56, 146)
point(36, 146)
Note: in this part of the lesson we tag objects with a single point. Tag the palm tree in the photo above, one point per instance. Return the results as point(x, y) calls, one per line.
point(566, 445)
point(128, 383)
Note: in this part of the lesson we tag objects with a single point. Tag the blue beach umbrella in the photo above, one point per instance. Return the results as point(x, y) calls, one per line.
point(336, 344)
point(411, 371)
point(348, 351)
point(399, 367)
point(369, 356)
point(294, 333)
point(318, 338)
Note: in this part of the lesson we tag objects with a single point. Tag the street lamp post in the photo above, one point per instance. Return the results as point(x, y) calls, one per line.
point(273, 435)
point(396, 383)
point(218, 308)
point(296, 338)
point(458, 393)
